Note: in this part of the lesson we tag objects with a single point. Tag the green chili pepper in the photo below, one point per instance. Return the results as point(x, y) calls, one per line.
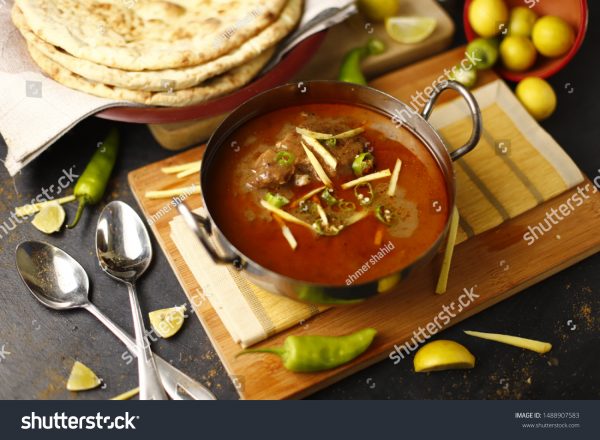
point(317, 295)
point(384, 215)
point(328, 197)
point(365, 198)
point(277, 200)
point(330, 143)
point(375, 46)
point(350, 69)
point(363, 164)
point(285, 158)
point(90, 186)
point(306, 354)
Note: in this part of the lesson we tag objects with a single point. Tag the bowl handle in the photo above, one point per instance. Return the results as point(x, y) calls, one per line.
point(202, 228)
point(473, 108)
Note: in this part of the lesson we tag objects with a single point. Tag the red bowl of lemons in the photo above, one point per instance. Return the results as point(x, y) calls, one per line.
point(535, 38)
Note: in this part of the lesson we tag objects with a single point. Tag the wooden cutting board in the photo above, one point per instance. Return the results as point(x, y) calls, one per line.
point(478, 263)
point(357, 30)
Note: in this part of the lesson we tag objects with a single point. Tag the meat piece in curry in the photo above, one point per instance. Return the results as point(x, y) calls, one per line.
point(286, 161)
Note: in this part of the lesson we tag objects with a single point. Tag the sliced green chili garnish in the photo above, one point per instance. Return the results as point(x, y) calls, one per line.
point(345, 205)
point(363, 164)
point(330, 143)
point(276, 200)
point(384, 215)
point(304, 206)
point(328, 230)
point(327, 196)
point(364, 193)
point(285, 158)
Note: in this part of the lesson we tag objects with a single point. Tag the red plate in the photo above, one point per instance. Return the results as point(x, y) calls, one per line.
point(282, 72)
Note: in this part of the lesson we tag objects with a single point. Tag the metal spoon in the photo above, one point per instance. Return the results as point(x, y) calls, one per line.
point(124, 250)
point(59, 282)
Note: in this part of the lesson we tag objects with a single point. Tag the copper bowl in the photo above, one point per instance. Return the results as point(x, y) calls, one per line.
point(223, 252)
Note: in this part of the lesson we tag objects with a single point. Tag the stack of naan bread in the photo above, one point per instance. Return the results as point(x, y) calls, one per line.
point(165, 53)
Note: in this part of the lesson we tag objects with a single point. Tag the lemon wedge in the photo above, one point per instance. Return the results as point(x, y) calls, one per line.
point(443, 355)
point(167, 322)
point(50, 218)
point(410, 30)
point(82, 378)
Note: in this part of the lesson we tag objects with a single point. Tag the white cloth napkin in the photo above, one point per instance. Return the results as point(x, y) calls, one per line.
point(36, 111)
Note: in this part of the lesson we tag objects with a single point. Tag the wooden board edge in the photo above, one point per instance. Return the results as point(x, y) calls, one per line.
point(163, 244)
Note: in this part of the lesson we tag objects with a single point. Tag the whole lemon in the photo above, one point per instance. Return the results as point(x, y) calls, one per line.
point(518, 53)
point(521, 21)
point(537, 96)
point(378, 10)
point(488, 17)
point(552, 36)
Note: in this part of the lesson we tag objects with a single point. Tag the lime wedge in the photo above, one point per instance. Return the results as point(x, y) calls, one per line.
point(410, 30)
point(82, 378)
point(167, 322)
point(443, 355)
point(50, 218)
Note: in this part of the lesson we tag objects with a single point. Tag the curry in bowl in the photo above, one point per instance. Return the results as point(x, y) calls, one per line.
point(327, 193)
point(330, 193)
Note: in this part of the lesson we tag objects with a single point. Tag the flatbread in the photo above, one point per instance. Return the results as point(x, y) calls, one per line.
point(169, 79)
point(148, 34)
point(217, 86)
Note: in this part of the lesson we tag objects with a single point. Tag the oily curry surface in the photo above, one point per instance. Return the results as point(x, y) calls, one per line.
point(354, 235)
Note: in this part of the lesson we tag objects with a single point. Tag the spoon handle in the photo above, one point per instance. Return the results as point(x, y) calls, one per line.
point(150, 385)
point(114, 328)
point(172, 378)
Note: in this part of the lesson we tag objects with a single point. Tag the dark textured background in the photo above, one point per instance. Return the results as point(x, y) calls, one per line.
point(44, 343)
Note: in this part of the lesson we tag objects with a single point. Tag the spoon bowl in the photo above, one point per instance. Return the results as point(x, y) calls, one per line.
point(122, 242)
point(52, 275)
point(124, 251)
